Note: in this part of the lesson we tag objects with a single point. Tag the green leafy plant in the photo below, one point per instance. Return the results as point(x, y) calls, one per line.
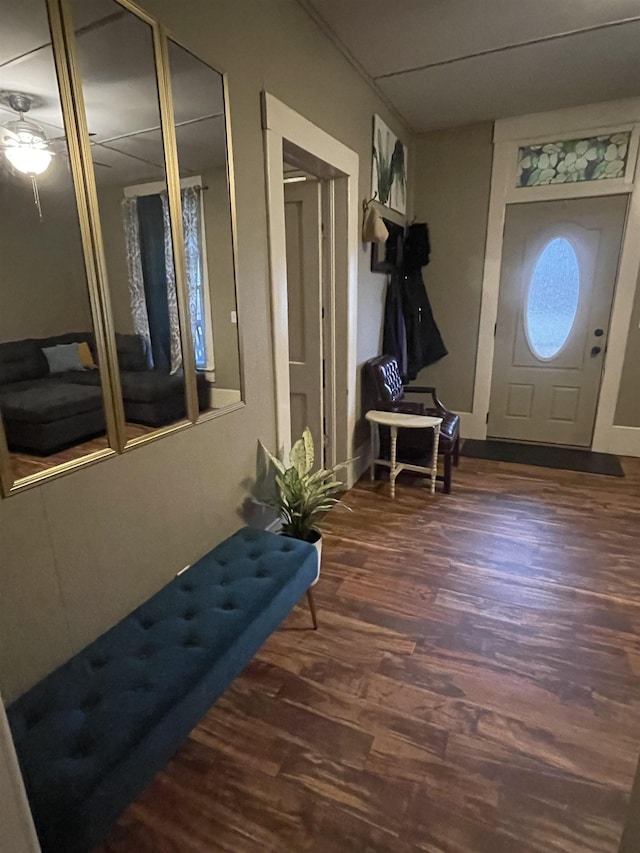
point(298, 493)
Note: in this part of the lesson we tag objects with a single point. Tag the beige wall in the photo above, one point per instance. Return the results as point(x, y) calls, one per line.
point(44, 290)
point(451, 193)
point(80, 552)
point(628, 408)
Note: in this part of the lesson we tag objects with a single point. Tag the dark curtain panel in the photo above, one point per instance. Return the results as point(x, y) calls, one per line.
point(155, 278)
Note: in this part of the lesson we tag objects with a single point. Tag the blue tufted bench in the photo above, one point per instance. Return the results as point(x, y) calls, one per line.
point(92, 734)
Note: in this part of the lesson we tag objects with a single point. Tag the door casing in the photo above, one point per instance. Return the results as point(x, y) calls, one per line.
point(572, 123)
point(308, 147)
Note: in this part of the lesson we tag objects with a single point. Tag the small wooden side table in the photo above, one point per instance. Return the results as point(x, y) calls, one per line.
point(395, 421)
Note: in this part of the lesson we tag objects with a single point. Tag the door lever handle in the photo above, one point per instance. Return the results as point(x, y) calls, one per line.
point(596, 350)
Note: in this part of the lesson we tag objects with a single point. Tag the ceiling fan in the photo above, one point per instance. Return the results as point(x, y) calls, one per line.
point(25, 144)
point(23, 141)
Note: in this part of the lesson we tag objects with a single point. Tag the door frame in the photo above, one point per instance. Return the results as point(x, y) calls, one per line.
point(514, 361)
point(319, 298)
point(321, 154)
point(509, 135)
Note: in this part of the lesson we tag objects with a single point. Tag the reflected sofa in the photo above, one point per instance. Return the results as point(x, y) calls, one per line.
point(44, 412)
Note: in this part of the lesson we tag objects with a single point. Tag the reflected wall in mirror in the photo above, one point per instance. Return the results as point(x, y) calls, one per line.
point(200, 127)
point(51, 396)
point(118, 75)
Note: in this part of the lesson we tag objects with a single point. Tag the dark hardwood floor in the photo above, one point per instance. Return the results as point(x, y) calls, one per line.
point(474, 684)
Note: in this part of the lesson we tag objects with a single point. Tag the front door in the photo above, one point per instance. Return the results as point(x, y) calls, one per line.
point(559, 266)
point(304, 294)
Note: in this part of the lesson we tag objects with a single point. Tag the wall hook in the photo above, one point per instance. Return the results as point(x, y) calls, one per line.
point(365, 203)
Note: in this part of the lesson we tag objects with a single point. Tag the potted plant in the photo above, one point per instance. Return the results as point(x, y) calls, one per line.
point(299, 494)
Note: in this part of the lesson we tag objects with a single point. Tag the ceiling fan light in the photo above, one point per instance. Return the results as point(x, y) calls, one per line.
point(26, 147)
point(27, 159)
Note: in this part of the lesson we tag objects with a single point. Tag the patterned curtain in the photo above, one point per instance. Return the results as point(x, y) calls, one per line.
point(137, 297)
point(172, 299)
point(192, 227)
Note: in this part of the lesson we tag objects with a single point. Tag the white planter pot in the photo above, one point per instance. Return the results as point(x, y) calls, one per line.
point(318, 546)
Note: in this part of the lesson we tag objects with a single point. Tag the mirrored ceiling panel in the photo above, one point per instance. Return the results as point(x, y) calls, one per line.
point(203, 159)
point(51, 379)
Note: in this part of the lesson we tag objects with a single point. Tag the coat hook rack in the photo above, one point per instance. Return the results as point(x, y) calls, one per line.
point(366, 203)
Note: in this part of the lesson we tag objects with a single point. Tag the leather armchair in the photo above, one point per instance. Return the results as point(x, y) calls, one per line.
point(388, 394)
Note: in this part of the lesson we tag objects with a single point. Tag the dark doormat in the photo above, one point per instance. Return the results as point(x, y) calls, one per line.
point(544, 455)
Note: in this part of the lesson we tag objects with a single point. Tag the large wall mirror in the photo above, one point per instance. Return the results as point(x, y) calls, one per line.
point(51, 379)
point(118, 314)
point(200, 125)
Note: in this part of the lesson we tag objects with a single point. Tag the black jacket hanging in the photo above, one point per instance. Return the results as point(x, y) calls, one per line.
point(416, 248)
point(394, 338)
point(410, 331)
point(424, 341)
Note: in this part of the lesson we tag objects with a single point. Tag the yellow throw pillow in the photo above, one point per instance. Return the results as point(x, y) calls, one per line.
point(86, 359)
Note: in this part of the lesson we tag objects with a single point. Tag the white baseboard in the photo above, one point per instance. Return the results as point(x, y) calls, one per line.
point(624, 441)
point(360, 464)
point(274, 526)
point(472, 425)
point(621, 440)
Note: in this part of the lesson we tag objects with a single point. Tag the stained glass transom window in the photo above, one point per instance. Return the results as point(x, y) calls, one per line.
point(552, 301)
point(597, 158)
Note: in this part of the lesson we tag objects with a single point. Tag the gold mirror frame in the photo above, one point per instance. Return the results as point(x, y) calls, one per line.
point(70, 89)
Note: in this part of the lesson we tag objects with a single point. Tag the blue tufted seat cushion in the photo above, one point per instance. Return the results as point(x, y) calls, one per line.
point(93, 733)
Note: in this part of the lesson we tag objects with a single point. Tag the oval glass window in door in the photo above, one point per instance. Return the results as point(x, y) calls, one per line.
point(552, 301)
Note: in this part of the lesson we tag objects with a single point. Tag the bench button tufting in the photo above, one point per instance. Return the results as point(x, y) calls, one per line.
point(145, 653)
point(228, 606)
point(82, 748)
point(32, 720)
point(80, 753)
point(91, 701)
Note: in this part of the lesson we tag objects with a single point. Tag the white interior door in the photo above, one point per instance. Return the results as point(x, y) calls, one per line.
point(559, 267)
point(304, 294)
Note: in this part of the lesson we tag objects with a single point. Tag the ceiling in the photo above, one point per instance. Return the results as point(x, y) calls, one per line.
point(444, 63)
